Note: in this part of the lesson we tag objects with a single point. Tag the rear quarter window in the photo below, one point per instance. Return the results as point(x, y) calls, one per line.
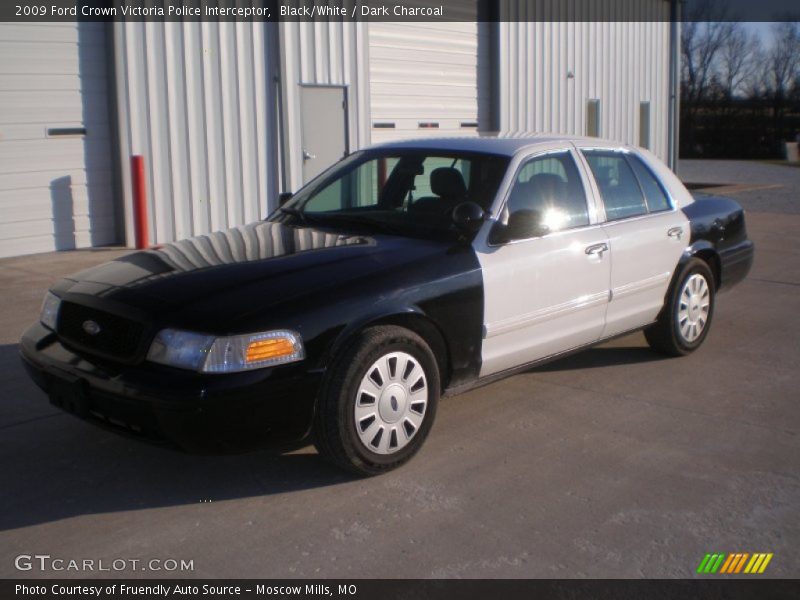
point(619, 187)
point(654, 194)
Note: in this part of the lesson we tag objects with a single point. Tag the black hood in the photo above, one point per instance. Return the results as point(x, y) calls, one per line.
point(245, 269)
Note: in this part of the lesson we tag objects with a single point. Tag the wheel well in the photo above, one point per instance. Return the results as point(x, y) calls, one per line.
point(712, 260)
point(429, 332)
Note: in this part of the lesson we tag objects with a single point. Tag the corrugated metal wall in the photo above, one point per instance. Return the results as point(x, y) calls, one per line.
point(198, 101)
point(548, 71)
point(323, 53)
point(55, 190)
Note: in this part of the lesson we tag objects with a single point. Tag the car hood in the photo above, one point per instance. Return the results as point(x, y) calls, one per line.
point(253, 267)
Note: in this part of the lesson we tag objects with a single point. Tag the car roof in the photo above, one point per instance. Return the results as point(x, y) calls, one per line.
point(503, 143)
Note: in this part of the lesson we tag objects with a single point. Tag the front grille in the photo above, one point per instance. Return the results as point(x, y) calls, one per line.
point(117, 337)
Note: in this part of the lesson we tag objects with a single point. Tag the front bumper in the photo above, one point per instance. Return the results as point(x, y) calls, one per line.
point(198, 412)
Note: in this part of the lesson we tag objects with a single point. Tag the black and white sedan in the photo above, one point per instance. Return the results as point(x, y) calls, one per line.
point(404, 272)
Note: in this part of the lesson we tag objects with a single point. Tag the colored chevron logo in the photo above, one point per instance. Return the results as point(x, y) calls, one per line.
point(734, 563)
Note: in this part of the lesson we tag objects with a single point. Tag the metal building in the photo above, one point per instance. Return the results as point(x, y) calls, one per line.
point(227, 115)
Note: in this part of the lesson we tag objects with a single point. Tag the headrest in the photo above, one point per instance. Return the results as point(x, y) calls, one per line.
point(545, 185)
point(447, 182)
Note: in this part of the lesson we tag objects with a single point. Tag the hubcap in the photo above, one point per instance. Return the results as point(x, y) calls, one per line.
point(693, 307)
point(391, 402)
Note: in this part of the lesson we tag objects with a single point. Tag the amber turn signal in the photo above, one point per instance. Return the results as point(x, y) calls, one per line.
point(269, 348)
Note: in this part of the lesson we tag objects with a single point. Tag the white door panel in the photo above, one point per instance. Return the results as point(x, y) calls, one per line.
point(543, 296)
point(643, 258)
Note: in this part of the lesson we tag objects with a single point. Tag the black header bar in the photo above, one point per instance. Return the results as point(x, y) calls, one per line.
point(398, 10)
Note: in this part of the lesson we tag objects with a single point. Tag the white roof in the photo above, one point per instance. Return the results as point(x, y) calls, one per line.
point(503, 143)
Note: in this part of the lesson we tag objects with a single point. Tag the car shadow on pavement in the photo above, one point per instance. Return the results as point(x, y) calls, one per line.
point(602, 356)
point(54, 466)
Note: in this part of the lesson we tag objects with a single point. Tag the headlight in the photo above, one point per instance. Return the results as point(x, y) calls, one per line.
point(50, 306)
point(209, 354)
point(182, 349)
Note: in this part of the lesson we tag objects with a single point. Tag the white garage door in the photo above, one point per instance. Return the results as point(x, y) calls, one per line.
point(55, 150)
point(428, 79)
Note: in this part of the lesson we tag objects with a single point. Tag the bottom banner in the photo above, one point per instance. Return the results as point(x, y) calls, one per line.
point(358, 589)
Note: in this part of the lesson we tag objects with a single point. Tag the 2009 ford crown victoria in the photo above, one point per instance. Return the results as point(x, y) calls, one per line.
point(404, 272)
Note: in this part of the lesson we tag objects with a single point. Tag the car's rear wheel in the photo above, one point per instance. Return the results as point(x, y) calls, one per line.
point(685, 319)
point(378, 402)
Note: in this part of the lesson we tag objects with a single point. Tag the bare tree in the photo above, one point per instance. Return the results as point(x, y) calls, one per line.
point(783, 61)
point(736, 60)
point(703, 36)
point(783, 66)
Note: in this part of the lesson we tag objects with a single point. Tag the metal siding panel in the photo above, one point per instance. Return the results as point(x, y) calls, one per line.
point(261, 128)
point(160, 172)
point(619, 63)
point(177, 115)
point(323, 53)
point(198, 193)
point(248, 151)
point(196, 103)
point(231, 123)
point(55, 192)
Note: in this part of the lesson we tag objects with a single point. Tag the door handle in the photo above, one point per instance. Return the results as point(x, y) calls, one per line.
point(307, 155)
point(596, 249)
point(675, 232)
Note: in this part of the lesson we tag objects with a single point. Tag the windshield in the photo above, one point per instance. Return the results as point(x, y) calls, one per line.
point(403, 192)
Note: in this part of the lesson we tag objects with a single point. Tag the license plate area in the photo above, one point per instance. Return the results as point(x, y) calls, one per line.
point(70, 395)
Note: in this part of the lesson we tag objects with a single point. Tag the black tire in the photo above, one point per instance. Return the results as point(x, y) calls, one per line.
point(335, 435)
point(665, 335)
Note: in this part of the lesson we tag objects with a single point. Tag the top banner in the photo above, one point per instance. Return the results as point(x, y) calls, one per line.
point(400, 10)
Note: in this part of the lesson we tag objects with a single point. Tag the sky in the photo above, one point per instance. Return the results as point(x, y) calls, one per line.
point(763, 30)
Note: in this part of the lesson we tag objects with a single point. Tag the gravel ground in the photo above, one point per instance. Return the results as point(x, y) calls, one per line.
point(783, 198)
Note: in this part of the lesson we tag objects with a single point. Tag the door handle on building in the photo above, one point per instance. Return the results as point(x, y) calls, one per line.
point(307, 155)
point(597, 249)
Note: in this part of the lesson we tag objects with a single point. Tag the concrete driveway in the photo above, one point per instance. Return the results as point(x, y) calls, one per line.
point(613, 463)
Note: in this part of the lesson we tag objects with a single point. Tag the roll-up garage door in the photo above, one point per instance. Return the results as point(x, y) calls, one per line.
point(55, 149)
point(428, 79)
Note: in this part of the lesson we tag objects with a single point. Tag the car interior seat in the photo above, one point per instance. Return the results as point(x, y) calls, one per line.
point(448, 185)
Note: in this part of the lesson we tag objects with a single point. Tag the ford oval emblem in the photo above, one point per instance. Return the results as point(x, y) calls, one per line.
point(91, 327)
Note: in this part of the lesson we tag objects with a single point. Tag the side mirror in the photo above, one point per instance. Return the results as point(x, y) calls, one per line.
point(284, 198)
point(522, 225)
point(468, 217)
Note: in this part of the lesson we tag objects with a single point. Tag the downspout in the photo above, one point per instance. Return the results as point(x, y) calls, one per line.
point(490, 11)
point(674, 84)
point(281, 112)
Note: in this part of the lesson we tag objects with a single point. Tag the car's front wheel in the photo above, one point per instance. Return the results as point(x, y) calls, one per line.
point(378, 402)
point(686, 317)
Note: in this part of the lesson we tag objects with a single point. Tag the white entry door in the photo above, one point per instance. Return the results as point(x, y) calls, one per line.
point(324, 122)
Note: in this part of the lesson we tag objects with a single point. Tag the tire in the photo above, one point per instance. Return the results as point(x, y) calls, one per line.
point(402, 412)
point(685, 320)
